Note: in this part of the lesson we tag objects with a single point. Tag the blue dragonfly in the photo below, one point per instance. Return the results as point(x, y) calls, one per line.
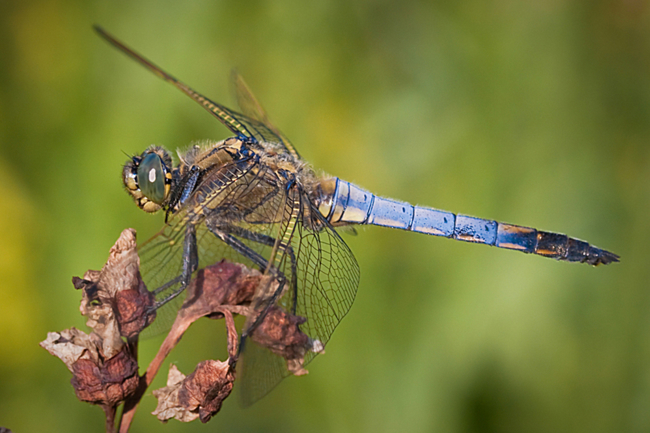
point(252, 199)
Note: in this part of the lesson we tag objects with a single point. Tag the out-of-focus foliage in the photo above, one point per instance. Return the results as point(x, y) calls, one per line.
point(536, 113)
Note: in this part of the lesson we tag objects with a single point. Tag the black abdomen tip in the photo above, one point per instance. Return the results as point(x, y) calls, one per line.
point(601, 257)
point(581, 251)
point(562, 247)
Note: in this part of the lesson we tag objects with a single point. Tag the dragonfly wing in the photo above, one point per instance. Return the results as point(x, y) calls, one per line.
point(161, 259)
point(250, 106)
point(322, 277)
point(161, 265)
point(244, 127)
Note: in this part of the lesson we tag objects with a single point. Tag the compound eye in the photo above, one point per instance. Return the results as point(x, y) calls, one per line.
point(151, 178)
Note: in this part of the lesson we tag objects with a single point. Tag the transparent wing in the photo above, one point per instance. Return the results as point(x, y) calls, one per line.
point(244, 127)
point(161, 259)
point(161, 264)
point(322, 292)
point(250, 106)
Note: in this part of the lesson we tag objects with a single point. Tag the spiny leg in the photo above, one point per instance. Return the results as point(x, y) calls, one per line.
point(240, 247)
point(190, 264)
point(270, 241)
point(226, 235)
point(261, 262)
point(268, 302)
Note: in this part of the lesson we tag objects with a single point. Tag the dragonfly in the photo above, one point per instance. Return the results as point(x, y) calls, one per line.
point(252, 199)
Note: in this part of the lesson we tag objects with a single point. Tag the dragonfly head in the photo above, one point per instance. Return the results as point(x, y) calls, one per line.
point(148, 178)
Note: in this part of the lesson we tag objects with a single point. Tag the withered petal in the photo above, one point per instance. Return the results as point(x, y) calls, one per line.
point(69, 345)
point(168, 406)
point(207, 387)
point(115, 300)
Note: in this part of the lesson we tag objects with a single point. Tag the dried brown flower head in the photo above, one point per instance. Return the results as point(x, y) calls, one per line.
point(198, 395)
point(96, 379)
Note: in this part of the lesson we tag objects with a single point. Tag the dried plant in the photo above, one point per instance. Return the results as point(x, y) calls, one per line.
point(118, 307)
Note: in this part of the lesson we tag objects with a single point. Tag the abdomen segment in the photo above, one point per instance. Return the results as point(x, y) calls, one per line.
point(346, 203)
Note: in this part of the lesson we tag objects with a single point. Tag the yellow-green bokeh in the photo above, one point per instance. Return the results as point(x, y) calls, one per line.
point(534, 113)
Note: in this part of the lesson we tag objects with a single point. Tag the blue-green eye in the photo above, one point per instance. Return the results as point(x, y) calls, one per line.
point(151, 178)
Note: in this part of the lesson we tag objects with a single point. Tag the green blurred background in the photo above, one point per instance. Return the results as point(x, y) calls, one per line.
point(535, 113)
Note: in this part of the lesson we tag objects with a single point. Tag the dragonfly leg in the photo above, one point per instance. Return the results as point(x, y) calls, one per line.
point(227, 235)
point(256, 258)
point(269, 301)
point(167, 285)
point(270, 241)
point(240, 247)
point(190, 264)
